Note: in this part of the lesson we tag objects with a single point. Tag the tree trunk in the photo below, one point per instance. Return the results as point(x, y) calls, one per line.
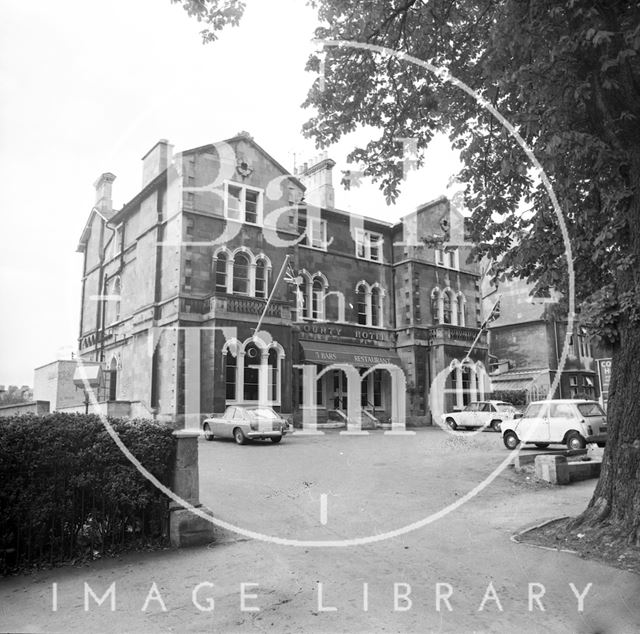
point(616, 499)
point(615, 504)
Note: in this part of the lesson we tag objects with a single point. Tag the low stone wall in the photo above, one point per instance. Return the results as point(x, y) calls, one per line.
point(559, 470)
point(16, 409)
point(524, 459)
point(116, 409)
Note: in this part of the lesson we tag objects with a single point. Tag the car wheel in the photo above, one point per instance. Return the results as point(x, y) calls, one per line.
point(495, 425)
point(451, 424)
point(276, 439)
point(541, 445)
point(207, 432)
point(238, 436)
point(510, 440)
point(575, 441)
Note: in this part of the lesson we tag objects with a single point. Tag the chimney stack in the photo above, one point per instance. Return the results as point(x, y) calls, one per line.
point(103, 187)
point(318, 179)
point(156, 160)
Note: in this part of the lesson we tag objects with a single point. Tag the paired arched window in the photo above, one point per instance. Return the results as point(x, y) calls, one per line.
point(253, 371)
point(241, 272)
point(369, 303)
point(311, 294)
point(448, 307)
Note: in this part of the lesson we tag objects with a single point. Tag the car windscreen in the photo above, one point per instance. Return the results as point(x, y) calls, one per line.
point(505, 407)
point(263, 412)
point(535, 409)
point(590, 409)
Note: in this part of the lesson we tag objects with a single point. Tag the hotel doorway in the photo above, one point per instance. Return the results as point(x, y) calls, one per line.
point(338, 398)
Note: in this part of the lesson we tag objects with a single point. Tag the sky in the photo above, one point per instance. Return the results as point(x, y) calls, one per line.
point(88, 87)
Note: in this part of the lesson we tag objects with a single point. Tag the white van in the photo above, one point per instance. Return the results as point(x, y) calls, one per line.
point(567, 421)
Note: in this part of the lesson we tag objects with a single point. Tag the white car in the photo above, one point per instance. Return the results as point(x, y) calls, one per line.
point(573, 422)
point(485, 414)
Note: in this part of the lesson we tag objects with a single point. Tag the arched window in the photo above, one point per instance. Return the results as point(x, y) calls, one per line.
point(461, 306)
point(261, 278)
point(435, 306)
point(252, 359)
point(317, 291)
point(376, 306)
point(361, 299)
point(241, 274)
point(313, 296)
point(446, 308)
point(221, 272)
point(117, 293)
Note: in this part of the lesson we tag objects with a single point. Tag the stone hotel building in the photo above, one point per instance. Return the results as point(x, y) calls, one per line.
point(174, 284)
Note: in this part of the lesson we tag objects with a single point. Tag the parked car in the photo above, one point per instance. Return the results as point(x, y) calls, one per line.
point(481, 414)
point(573, 422)
point(243, 423)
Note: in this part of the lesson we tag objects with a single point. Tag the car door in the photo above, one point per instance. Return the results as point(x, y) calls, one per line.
point(534, 426)
point(467, 416)
point(224, 424)
point(561, 418)
point(541, 426)
point(485, 415)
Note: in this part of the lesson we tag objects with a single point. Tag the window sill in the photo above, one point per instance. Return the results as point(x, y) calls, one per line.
point(366, 259)
point(308, 246)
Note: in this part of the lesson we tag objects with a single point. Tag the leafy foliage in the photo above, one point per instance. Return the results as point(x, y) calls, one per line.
point(515, 397)
point(68, 492)
point(217, 14)
point(564, 74)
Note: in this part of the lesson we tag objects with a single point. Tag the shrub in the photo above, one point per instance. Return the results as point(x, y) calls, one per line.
point(67, 492)
point(515, 397)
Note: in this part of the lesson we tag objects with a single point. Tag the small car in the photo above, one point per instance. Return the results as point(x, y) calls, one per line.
point(246, 422)
point(574, 422)
point(481, 414)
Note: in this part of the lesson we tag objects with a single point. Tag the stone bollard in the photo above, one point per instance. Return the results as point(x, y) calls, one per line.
point(185, 527)
point(553, 469)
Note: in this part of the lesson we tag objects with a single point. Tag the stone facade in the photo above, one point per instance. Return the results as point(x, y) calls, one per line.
point(526, 343)
point(175, 282)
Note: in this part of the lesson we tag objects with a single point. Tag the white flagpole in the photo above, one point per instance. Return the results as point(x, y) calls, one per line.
point(482, 327)
point(273, 290)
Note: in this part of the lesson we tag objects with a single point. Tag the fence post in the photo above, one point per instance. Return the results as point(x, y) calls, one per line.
point(186, 528)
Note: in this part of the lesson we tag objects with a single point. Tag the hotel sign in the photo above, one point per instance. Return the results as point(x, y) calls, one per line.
point(343, 333)
point(604, 374)
point(358, 356)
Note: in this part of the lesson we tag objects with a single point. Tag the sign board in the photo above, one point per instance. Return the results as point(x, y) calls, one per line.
point(604, 375)
point(345, 334)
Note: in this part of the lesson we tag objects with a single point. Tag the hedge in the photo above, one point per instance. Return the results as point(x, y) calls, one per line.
point(67, 492)
point(515, 397)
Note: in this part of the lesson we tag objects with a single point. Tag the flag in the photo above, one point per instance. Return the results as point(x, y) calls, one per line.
point(495, 312)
